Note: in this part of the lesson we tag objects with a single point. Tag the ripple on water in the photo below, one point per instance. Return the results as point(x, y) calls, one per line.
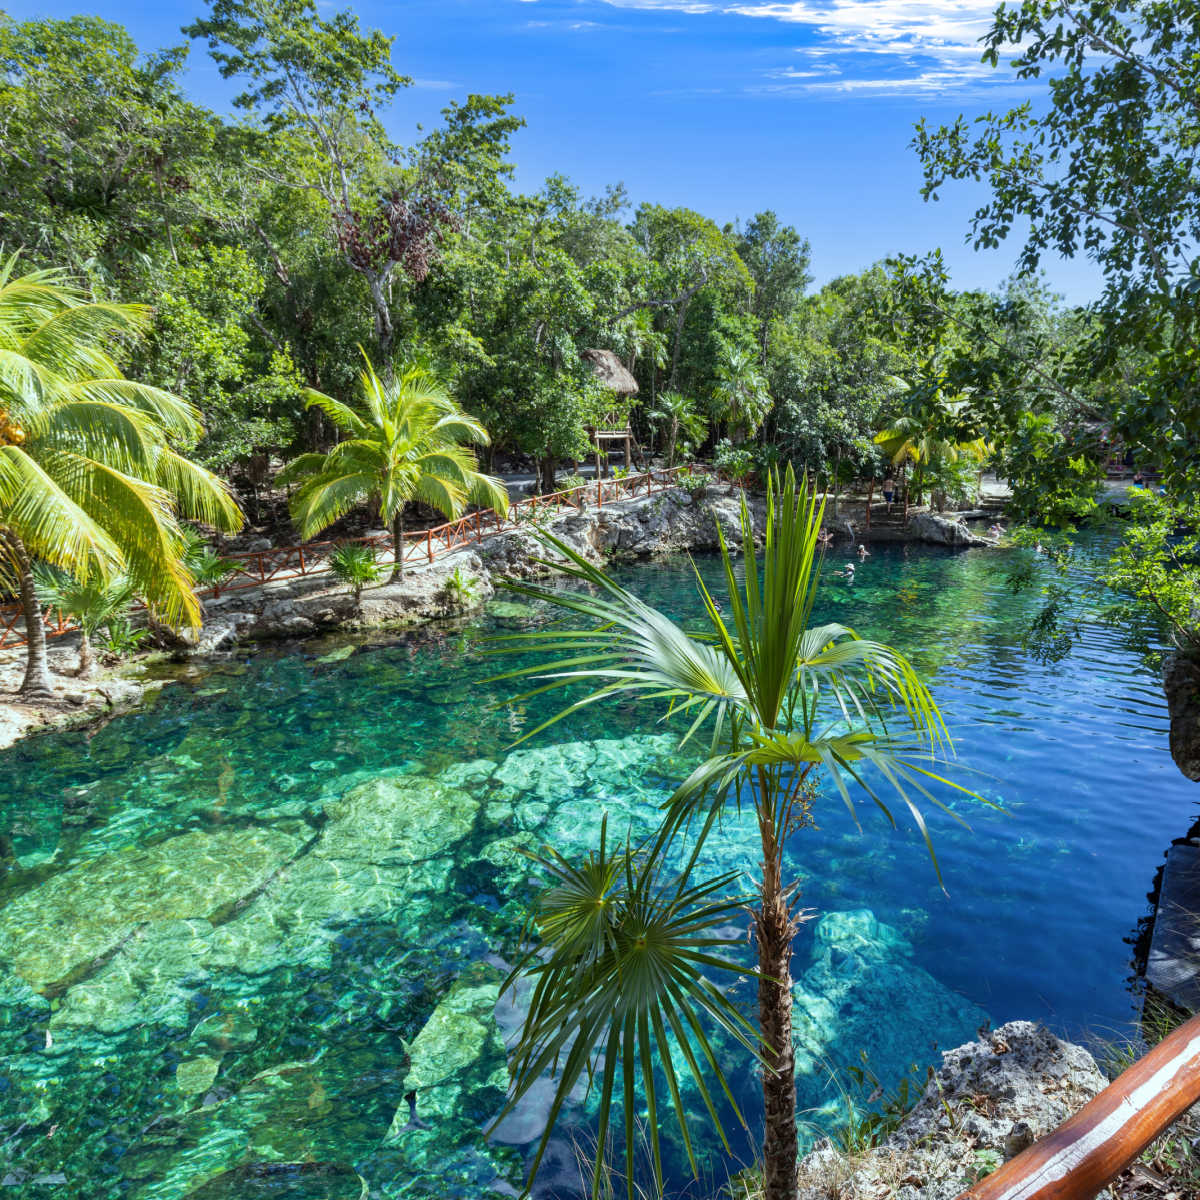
point(254, 935)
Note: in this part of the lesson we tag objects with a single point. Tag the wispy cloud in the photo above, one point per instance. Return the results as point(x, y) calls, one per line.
point(861, 47)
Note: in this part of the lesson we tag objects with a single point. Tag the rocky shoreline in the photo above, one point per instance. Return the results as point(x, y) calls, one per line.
point(990, 1100)
point(673, 521)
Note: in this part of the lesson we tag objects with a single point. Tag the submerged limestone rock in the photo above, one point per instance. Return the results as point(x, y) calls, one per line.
point(396, 818)
point(58, 930)
point(862, 968)
point(458, 1049)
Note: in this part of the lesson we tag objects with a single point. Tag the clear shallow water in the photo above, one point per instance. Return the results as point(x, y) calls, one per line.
point(252, 936)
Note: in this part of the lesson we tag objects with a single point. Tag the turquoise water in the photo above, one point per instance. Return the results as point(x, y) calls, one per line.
point(252, 936)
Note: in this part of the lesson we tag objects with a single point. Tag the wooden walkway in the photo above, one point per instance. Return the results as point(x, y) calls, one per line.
point(1173, 964)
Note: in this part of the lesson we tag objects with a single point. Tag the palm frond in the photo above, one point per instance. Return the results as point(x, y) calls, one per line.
point(620, 953)
point(51, 523)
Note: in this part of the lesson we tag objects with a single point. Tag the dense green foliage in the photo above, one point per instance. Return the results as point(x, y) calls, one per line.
point(271, 245)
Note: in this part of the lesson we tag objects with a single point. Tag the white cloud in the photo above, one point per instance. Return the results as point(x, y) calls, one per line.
point(888, 47)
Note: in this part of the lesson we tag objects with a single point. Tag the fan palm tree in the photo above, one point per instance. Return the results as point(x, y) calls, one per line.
point(405, 443)
point(89, 479)
point(742, 393)
point(90, 605)
point(621, 942)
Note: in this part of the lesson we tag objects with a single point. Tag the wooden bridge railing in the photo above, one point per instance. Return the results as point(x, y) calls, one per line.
point(257, 567)
point(1092, 1148)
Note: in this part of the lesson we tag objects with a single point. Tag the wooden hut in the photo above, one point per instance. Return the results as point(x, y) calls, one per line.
point(612, 374)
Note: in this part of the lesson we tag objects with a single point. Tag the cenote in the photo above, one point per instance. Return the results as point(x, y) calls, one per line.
point(252, 935)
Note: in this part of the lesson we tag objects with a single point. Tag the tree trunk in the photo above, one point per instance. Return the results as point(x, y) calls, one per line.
point(384, 331)
point(547, 474)
point(398, 545)
point(837, 478)
point(773, 931)
point(36, 684)
point(679, 320)
point(87, 662)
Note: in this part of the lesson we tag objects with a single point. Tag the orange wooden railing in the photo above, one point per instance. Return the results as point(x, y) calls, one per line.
point(1091, 1149)
point(257, 567)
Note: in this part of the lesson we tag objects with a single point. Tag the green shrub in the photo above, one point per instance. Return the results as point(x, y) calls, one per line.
point(355, 565)
point(695, 483)
point(461, 588)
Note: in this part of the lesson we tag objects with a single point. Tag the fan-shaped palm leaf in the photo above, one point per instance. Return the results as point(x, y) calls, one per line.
point(621, 953)
point(782, 699)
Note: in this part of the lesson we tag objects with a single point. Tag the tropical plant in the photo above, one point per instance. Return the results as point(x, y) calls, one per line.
point(734, 462)
point(354, 564)
point(620, 943)
point(741, 393)
point(695, 483)
point(90, 604)
point(680, 422)
point(461, 588)
point(405, 443)
point(89, 479)
point(120, 637)
point(934, 429)
point(208, 568)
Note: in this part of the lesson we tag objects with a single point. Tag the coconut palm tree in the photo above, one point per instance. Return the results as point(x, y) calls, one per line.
point(935, 428)
point(405, 443)
point(623, 944)
point(89, 479)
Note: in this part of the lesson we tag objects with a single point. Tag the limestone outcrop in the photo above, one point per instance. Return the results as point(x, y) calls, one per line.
point(990, 1099)
point(1181, 682)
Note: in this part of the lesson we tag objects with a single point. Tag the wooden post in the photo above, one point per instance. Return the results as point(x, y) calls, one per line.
point(870, 497)
point(1088, 1151)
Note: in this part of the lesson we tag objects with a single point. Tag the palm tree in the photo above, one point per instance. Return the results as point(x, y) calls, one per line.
point(405, 443)
point(621, 938)
point(677, 414)
point(92, 604)
point(742, 393)
point(935, 427)
point(354, 565)
point(89, 481)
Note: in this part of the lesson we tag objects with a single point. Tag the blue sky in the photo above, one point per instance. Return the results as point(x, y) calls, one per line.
point(727, 106)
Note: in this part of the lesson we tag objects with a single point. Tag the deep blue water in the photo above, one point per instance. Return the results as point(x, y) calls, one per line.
point(285, 847)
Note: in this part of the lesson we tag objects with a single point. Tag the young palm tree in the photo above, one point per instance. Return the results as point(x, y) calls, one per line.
point(780, 701)
point(355, 566)
point(90, 605)
point(677, 414)
point(89, 480)
point(405, 443)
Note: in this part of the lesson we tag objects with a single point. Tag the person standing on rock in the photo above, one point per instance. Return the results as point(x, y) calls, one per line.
point(889, 492)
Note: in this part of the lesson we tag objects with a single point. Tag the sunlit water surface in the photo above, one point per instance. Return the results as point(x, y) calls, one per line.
point(252, 936)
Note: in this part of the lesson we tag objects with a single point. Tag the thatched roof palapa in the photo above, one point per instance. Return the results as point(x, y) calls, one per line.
point(611, 372)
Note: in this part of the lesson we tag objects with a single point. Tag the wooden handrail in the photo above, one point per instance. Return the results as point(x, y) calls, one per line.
point(1092, 1148)
point(451, 535)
